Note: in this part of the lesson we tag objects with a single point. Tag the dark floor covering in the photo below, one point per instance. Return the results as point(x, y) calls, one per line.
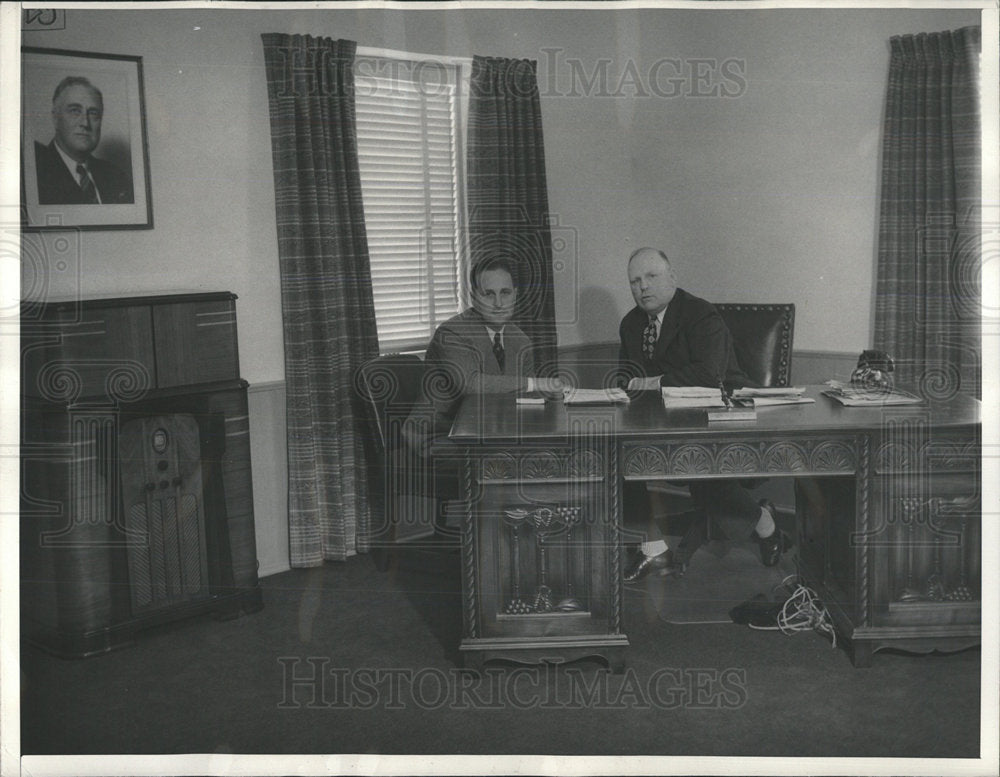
point(208, 686)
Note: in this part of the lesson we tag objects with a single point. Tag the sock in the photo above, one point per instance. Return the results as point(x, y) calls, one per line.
point(765, 524)
point(654, 548)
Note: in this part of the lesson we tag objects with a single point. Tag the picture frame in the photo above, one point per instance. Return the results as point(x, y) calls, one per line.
point(64, 94)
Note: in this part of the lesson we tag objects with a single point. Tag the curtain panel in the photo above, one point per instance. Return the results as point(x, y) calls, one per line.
point(927, 307)
point(328, 311)
point(507, 192)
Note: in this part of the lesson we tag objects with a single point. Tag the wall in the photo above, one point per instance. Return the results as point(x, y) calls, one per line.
point(769, 194)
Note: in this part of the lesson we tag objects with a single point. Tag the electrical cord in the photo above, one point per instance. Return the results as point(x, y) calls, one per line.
point(802, 611)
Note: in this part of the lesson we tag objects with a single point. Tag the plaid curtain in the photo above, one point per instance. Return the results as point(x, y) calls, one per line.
point(507, 192)
point(326, 296)
point(927, 307)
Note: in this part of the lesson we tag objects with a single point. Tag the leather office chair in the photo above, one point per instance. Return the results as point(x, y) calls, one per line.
point(762, 337)
point(408, 491)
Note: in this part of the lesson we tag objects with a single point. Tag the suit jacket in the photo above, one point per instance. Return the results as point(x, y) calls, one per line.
point(57, 186)
point(694, 348)
point(459, 362)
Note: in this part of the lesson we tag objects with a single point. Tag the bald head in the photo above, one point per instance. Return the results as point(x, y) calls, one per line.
point(651, 279)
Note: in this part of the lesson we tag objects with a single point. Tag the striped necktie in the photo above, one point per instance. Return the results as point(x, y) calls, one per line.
point(86, 184)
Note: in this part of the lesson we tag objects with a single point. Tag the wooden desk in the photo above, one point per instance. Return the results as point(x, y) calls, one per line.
point(887, 512)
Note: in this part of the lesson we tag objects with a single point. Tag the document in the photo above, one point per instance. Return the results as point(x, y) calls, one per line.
point(689, 392)
point(582, 396)
point(780, 391)
point(766, 397)
point(869, 398)
point(856, 396)
point(691, 396)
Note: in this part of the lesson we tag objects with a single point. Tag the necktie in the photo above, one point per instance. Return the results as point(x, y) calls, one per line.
point(498, 350)
point(649, 338)
point(86, 184)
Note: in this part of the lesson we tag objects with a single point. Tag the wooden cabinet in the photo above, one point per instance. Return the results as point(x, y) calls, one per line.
point(895, 552)
point(136, 496)
point(541, 554)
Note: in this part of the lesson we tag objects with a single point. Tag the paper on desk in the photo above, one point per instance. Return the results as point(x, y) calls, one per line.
point(582, 396)
point(868, 398)
point(769, 392)
point(692, 392)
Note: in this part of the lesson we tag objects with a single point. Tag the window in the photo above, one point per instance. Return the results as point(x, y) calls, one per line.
point(409, 116)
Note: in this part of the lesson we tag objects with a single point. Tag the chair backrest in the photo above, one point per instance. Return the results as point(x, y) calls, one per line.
point(390, 386)
point(762, 337)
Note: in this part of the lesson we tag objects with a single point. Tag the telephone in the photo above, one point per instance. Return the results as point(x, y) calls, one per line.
point(874, 371)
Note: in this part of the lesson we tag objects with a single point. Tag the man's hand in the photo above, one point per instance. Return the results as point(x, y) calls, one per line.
point(550, 388)
point(644, 384)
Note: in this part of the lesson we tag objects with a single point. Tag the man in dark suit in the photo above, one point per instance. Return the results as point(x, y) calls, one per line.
point(68, 173)
point(672, 338)
point(478, 351)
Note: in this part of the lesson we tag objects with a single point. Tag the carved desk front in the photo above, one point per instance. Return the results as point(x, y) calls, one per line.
point(887, 503)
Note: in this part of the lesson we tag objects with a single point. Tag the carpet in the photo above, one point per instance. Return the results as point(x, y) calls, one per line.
point(721, 575)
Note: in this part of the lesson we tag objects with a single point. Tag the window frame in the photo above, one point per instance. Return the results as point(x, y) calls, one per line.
point(462, 68)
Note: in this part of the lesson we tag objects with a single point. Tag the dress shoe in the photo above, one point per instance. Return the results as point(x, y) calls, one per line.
point(776, 543)
point(659, 564)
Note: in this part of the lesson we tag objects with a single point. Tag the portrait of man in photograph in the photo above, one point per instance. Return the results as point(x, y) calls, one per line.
point(68, 172)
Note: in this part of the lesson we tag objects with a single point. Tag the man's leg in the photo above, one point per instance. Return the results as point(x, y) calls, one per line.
point(727, 500)
point(651, 555)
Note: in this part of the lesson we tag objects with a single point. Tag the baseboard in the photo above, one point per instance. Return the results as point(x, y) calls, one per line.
point(273, 569)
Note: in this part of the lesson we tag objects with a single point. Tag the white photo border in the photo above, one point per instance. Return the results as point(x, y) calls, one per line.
point(42, 69)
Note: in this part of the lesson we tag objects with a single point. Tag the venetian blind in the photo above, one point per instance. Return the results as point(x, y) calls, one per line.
point(408, 127)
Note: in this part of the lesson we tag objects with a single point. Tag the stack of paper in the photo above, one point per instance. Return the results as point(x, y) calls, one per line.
point(763, 397)
point(582, 396)
point(691, 396)
point(853, 396)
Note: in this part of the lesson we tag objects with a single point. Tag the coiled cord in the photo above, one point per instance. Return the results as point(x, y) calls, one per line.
point(802, 611)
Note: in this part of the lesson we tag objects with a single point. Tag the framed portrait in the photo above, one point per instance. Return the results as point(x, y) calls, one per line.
point(84, 153)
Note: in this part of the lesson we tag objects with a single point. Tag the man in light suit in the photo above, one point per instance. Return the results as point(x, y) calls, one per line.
point(672, 338)
point(68, 172)
point(478, 351)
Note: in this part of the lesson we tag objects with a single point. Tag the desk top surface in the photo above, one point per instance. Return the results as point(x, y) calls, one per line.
point(497, 418)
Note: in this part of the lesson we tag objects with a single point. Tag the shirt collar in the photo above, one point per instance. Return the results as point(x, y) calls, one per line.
point(494, 332)
point(69, 161)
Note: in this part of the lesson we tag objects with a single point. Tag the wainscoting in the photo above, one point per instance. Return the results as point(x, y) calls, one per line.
point(588, 363)
point(811, 367)
point(268, 456)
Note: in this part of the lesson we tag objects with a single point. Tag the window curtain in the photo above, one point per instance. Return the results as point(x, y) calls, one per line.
point(326, 297)
point(927, 308)
point(507, 194)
